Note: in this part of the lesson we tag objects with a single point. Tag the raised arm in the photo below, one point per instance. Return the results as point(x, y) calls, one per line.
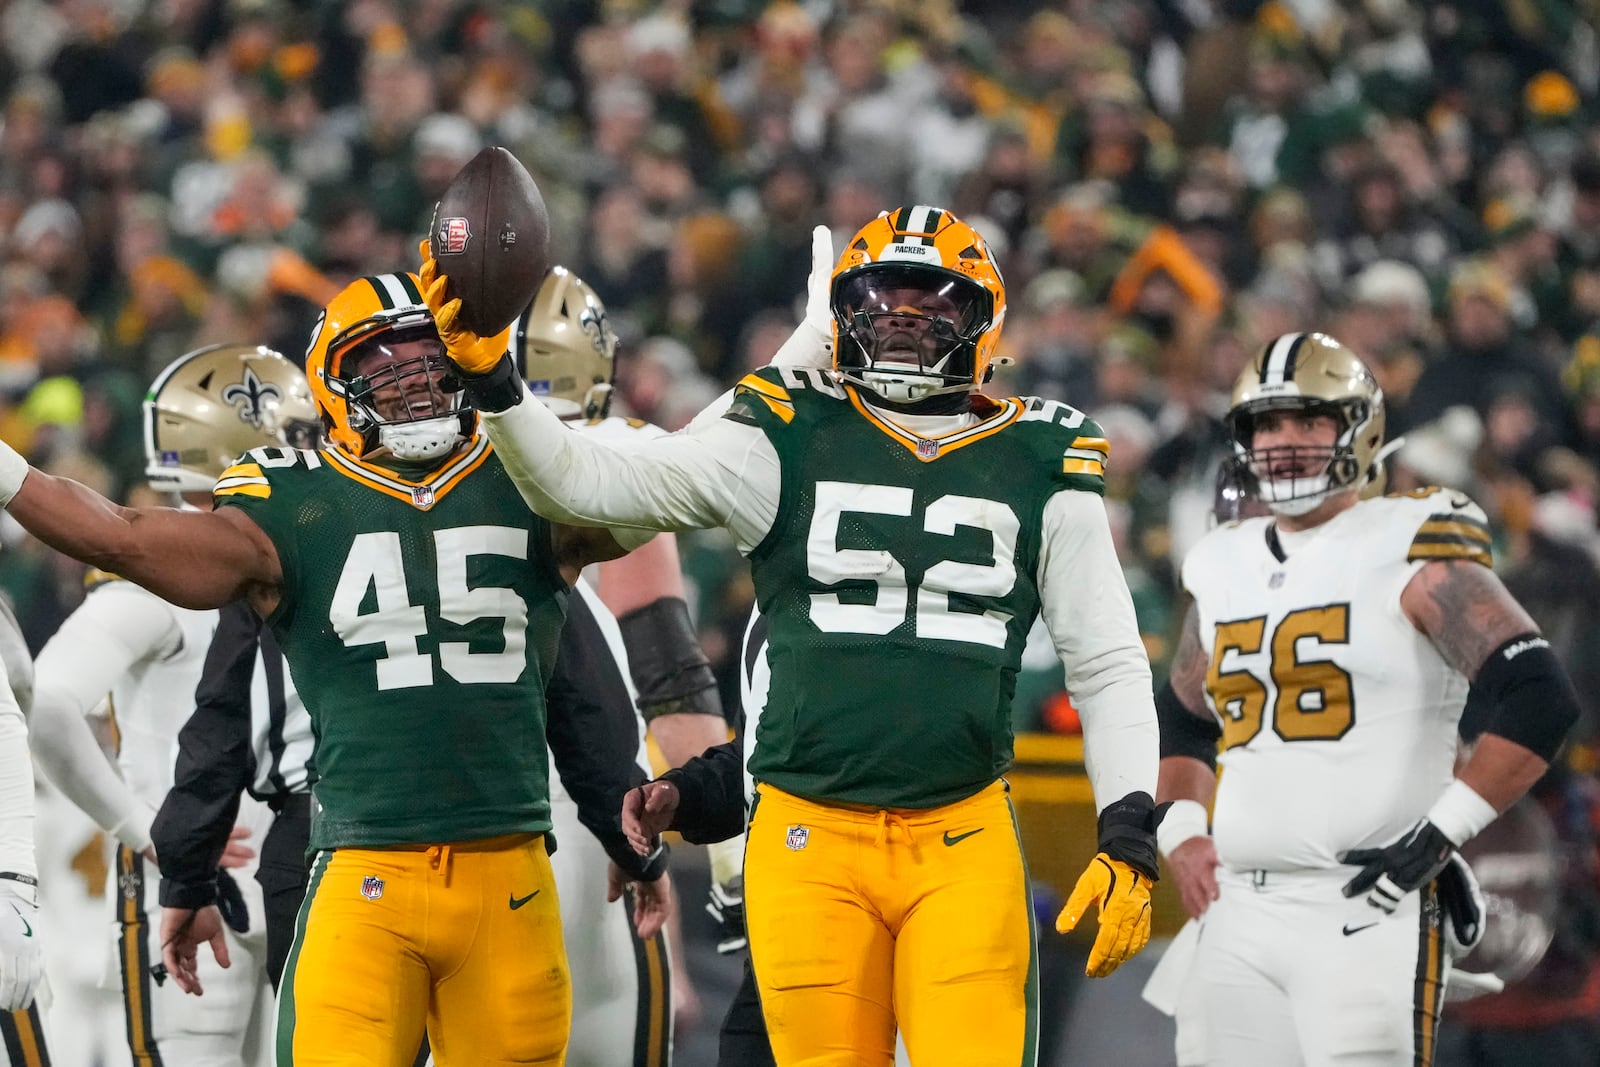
point(194, 559)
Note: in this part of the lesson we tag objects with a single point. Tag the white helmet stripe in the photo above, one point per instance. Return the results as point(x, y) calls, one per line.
point(397, 293)
point(1278, 367)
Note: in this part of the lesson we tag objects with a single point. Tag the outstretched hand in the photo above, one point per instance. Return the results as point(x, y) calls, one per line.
point(183, 931)
point(1122, 895)
point(652, 901)
point(646, 812)
point(473, 354)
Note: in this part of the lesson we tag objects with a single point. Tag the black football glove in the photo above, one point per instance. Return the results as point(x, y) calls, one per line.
point(1389, 873)
point(726, 906)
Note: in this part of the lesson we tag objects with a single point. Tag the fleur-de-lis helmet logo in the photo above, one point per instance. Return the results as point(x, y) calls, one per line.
point(249, 397)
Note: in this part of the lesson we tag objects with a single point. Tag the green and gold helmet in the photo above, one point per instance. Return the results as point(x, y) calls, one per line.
point(565, 348)
point(209, 407)
point(1308, 372)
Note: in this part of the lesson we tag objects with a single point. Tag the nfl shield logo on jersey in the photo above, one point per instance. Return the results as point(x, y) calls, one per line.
point(927, 449)
point(372, 887)
point(798, 836)
point(422, 496)
point(452, 237)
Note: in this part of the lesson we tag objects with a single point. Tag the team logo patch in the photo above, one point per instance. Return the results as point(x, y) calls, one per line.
point(422, 496)
point(372, 887)
point(249, 397)
point(797, 838)
point(452, 237)
point(129, 882)
point(1276, 580)
point(927, 449)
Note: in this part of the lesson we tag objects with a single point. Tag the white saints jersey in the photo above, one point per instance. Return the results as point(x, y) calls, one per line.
point(1338, 715)
point(154, 696)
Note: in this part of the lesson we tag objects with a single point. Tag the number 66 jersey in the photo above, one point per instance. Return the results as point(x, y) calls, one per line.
point(1338, 716)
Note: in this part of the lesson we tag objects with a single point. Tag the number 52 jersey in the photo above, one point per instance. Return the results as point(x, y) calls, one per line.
point(420, 620)
point(1338, 716)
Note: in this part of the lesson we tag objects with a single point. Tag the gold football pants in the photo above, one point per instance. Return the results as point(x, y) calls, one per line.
point(861, 921)
point(464, 938)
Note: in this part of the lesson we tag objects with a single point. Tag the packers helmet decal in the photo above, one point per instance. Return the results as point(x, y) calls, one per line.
point(1308, 372)
point(565, 348)
point(918, 303)
point(210, 406)
point(386, 408)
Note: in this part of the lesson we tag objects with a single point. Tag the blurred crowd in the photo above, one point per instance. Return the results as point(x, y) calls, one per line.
point(1168, 183)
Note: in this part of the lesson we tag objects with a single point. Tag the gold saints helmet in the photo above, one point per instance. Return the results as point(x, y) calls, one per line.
point(918, 303)
point(1308, 372)
point(565, 348)
point(209, 407)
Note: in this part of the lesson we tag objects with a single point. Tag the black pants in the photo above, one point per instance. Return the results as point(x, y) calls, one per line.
point(283, 875)
point(744, 1040)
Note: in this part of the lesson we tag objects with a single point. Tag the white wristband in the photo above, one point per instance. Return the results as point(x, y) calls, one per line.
point(1184, 820)
point(1460, 813)
point(13, 469)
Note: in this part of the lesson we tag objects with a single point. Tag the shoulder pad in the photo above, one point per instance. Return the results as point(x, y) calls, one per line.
point(1445, 524)
point(252, 475)
point(1074, 440)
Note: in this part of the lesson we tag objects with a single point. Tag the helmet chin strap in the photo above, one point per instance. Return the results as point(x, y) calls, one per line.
point(427, 439)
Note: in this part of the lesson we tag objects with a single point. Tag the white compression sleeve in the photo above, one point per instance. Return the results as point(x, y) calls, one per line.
point(721, 474)
point(16, 787)
point(1089, 612)
point(117, 626)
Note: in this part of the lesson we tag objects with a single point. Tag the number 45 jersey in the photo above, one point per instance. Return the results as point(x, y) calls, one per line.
point(420, 620)
point(899, 581)
point(1338, 715)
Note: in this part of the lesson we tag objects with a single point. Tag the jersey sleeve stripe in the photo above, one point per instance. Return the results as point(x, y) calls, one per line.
point(229, 483)
point(1459, 548)
point(251, 488)
point(1086, 453)
point(1097, 444)
point(242, 470)
point(779, 408)
point(760, 385)
point(1072, 465)
point(1449, 526)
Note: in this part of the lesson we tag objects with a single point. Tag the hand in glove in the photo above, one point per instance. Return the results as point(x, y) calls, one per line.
point(21, 955)
point(473, 354)
point(1117, 882)
point(1389, 873)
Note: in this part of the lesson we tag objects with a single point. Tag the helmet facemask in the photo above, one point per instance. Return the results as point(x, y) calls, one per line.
point(1295, 479)
point(414, 407)
point(909, 332)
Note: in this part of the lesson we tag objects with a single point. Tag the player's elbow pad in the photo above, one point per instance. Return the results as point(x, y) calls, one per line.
point(1533, 700)
point(669, 669)
point(1183, 733)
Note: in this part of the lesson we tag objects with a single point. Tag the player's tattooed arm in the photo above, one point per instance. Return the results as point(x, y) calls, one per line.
point(1465, 610)
point(1189, 663)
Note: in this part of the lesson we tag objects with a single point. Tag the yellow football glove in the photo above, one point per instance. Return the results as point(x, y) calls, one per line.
point(1123, 897)
point(473, 354)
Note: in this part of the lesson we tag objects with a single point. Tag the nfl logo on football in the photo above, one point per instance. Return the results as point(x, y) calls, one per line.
point(372, 887)
point(798, 836)
point(422, 496)
point(453, 236)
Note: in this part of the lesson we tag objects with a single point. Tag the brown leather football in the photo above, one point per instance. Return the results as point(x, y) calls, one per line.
point(491, 237)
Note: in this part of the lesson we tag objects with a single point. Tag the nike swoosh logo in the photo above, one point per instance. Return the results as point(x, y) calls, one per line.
point(1348, 929)
point(27, 931)
point(517, 902)
point(956, 839)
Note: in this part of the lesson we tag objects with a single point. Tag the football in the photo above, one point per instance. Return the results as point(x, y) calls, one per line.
point(491, 237)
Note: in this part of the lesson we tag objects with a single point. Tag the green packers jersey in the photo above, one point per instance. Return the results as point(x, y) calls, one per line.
point(898, 585)
point(420, 621)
